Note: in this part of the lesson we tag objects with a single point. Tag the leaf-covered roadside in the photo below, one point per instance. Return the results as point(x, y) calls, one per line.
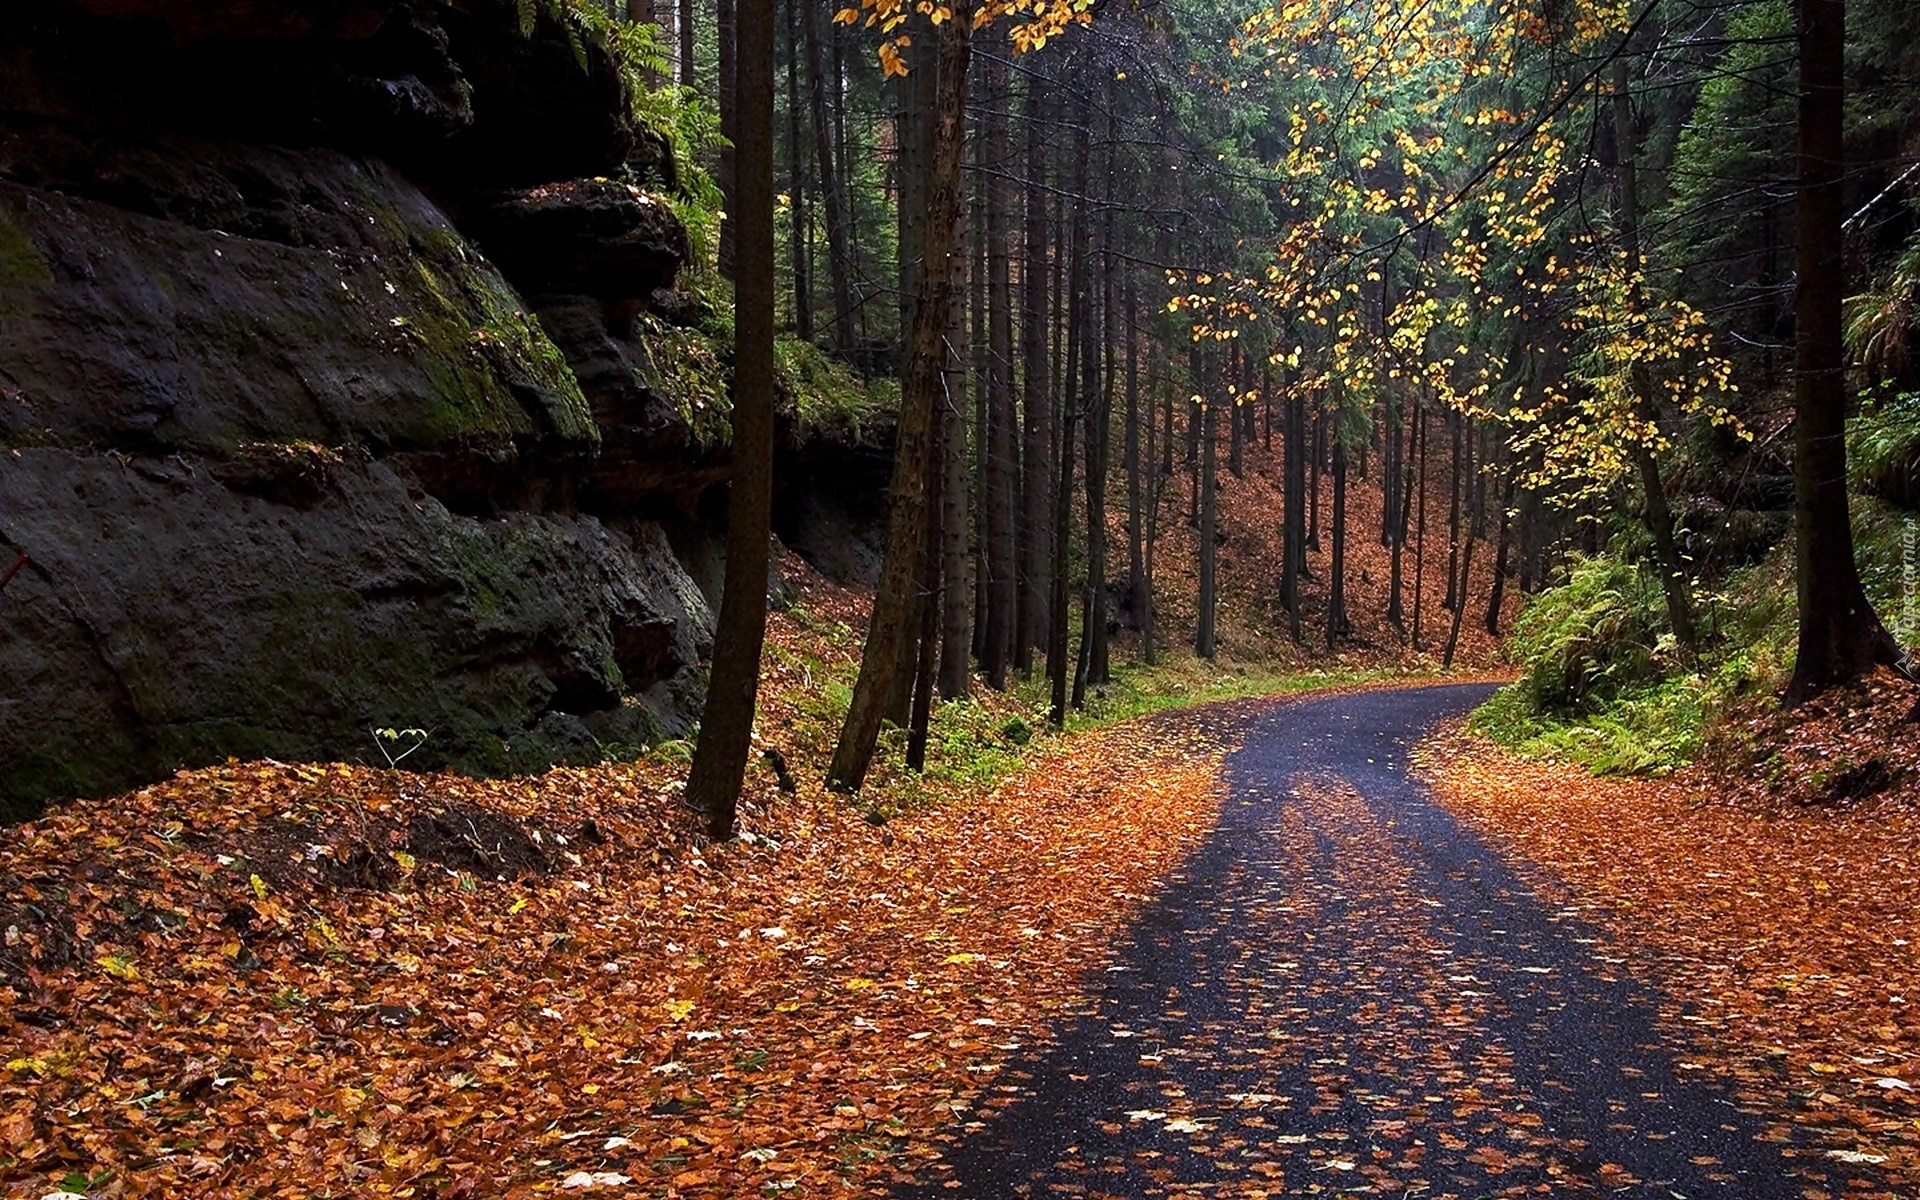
point(1781, 934)
point(269, 980)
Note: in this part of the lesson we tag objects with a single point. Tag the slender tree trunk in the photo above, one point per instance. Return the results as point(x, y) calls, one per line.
point(1466, 566)
point(832, 186)
point(799, 221)
point(1001, 449)
point(1458, 486)
point(1139, 596)
point(1204, 635)
point(1501, 566)
point(1673, 573)
point(1841, 637)
point(1420, 528)
point(922, 388)
point(726, 36)
point(686, 43)
point(1293, 518)
point(955, 624)
point(1057, 632)
point(1236, 435)
point(1099, 443)
point(1337, 624)
point(726, 724)
point(934, 586)
point(1036, 480)
point(1318, 454)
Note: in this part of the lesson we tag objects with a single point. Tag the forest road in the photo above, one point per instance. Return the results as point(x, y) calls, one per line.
point(1346, 992)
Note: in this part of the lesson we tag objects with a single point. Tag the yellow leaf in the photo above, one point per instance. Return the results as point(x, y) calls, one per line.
point(259, 886)
point(861, 985)
point(119, 966)
point(965, 957)
point(517, 905)
point(679, 1010)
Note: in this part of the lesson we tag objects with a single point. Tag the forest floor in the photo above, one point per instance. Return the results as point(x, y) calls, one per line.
point(1766, 893)
point(1348, 990)
point(272, 979)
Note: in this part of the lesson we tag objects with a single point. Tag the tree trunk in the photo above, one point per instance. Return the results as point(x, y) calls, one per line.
point(799, 219)
point(726, 723)
point(1666, 550)
point(1465, 567)
point(956, 669)
point(1139, 596)
point(921, 391)
point(1393, 513)
point(1036, 480)
point(934, 585)
point(1458, 485)
point(1293, 517)
point(1236, 437)
point(1000, 447)
point(1099, 444)
point(686, 43)
point(1337, 624)
point(833, 190)
point(727, 37)
point(1057, 641)
point(1420, 526)
point(1204, 637)
point(1841, 637)
point(1498, 594)
point(1317, 454)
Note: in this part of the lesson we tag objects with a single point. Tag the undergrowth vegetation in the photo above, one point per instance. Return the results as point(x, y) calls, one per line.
point(1606, 687)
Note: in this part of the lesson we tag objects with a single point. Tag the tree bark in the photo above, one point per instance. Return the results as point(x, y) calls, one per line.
point(1204, 637)
point(1293, 517)
point(1337, 624)
point(1841, 637)
point(686, 43)
point(1036, 479)
point(934, 586)
point(1139, 597)
point(853, 754)
point(726, 37)
point(956, 626)
point(799, 220)
point(726, 724)
point(1659, 514)
point(1420, 526)
point(1001, 453)
point(833, 190)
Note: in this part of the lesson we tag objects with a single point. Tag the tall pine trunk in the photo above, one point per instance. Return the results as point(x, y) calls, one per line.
point(833, 192)
point(726, 723)
point(1001, 456)
point(1841, 637)
point(799, 218)
point(1036, 479)
point(1337, 623)
point(1139, 596)
point(1204, 638)
point(726, 38)
point(920, 393)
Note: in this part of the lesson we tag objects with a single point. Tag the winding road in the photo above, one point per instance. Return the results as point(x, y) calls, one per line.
point(1346, 992)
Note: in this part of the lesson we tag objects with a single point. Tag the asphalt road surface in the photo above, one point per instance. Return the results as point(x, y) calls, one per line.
point(1345, 992)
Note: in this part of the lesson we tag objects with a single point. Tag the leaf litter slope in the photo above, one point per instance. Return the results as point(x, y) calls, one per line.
point(1345, 992)
point(1782, 935)
point(268, 980)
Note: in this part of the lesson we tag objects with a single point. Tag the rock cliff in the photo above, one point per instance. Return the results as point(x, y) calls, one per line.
point(326, 403)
